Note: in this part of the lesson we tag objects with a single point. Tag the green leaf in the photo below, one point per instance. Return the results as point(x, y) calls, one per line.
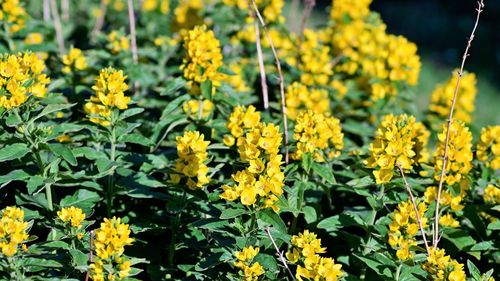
point(63, 151)
point(51, 108)
point(130, 112)
point(34, 183)
point(474, 271)
point(79, 259)
point(483, 246)
point(269, 216)
point(459, 238)
point(173, 86)
point(494, 225)
point(331, 224)
point(309, 214)
point(136, 138)
point(325, 172)
point(206, 89)
point(232, 213)
point(15, 175)
point(13, 151)
point(83, 199)
point(269, 263)
point(307, 162)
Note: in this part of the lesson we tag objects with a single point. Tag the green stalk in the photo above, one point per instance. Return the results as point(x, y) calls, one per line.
point(110, 195)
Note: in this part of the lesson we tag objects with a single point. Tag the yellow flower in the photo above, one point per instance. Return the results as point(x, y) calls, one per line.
point(187, 14)
point(319, 135)
point(399, 140)
point(74, 60)
point(33, 38)
point(299, 97)
point(192, 154)
point(192, 109)
point(151, 5)
point(404, 227)
point(492, 194)
point(306, 252)
point(251, 270)
point(13, 14)
point(459, 153)
point(270, 9)
point(354, 9)
point(21, 76)
point(488, 147)
point(73, 215)
point(12, 230)
point(441, 267)
point(442, 97)
point(203, 56)
point(237, 81)
point(117, 42)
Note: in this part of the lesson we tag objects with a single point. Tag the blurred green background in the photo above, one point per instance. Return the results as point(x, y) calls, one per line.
point(441, 28)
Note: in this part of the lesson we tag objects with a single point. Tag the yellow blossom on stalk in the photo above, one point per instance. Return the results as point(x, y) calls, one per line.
point(244, 261)
point(442, 97)
point(74, 60)
point(404, 227)
point(488, 147)
point(73, 215)
point(242, 118)
point(203, 56)
point(491, 194)
point(188, 14)
point(441, 267)
point(353, 9)
point(192, 108)
point(117, 42)
point(448, 220)
point(446, 199)
point(110, 241)
point(399, 140)
point(315, 61)
point(459, 161)
point(13, 15)
point(305, 253)
point(21, 76)
point(12, 230)
point(192, 154)
point(319, 135)
point(340, 88)
point(299, 97)
point(33, 38)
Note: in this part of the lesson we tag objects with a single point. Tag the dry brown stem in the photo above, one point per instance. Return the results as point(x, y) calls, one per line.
point(57, 26)
point(435, 235)
point(280, 255)
point(100, 19)
point(263, 83)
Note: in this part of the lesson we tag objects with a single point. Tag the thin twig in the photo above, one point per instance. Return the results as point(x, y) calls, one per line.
point(280, 74)
point(292, 13)
point(479, 9)
point(336, 60)
point(308, 6)
point(133, 39)
point(265, 96)
point(91, 257)
point(46, 10)
point(100, 19)
point(419, 219)
point(280, 255)
point(65, 10)
point(57, 26)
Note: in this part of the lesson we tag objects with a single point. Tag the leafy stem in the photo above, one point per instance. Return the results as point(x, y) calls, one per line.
point(112, 156)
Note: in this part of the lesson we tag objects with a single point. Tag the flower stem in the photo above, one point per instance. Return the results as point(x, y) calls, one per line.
point(110, 195)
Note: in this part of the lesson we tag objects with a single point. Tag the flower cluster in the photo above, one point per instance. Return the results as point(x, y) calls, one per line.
point(299, 97)
point(110, 90)
point(73, 61)
point(491, 195)
point(151, 5)
point(258, 145)
point(441, 267)
point(399, 141)
point(315, 61)
point(193, 110)
point(251, 270)
point(72, 215)
point(459, 161)
point(442, 97)
point(118, 42)
point(488, 147)
point(237, 81)
point(12, 230)
point(110, 241)
point(13, 14)
point(382, 61)
point(310, 265)
point(404, 227)
point(203, 56)
point(192, 155)
point(319, 135)
point(270, 9)
point(21, 76)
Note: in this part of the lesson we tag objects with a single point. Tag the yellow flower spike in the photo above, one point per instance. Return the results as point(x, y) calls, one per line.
point(192, 109)
point(491, 195)
point(117, 42)
point(251, 270)
point(488, 147)
point(72, 215)
point(441, 267)
point(74, 60)
point(203, 56)
point(12, 231)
